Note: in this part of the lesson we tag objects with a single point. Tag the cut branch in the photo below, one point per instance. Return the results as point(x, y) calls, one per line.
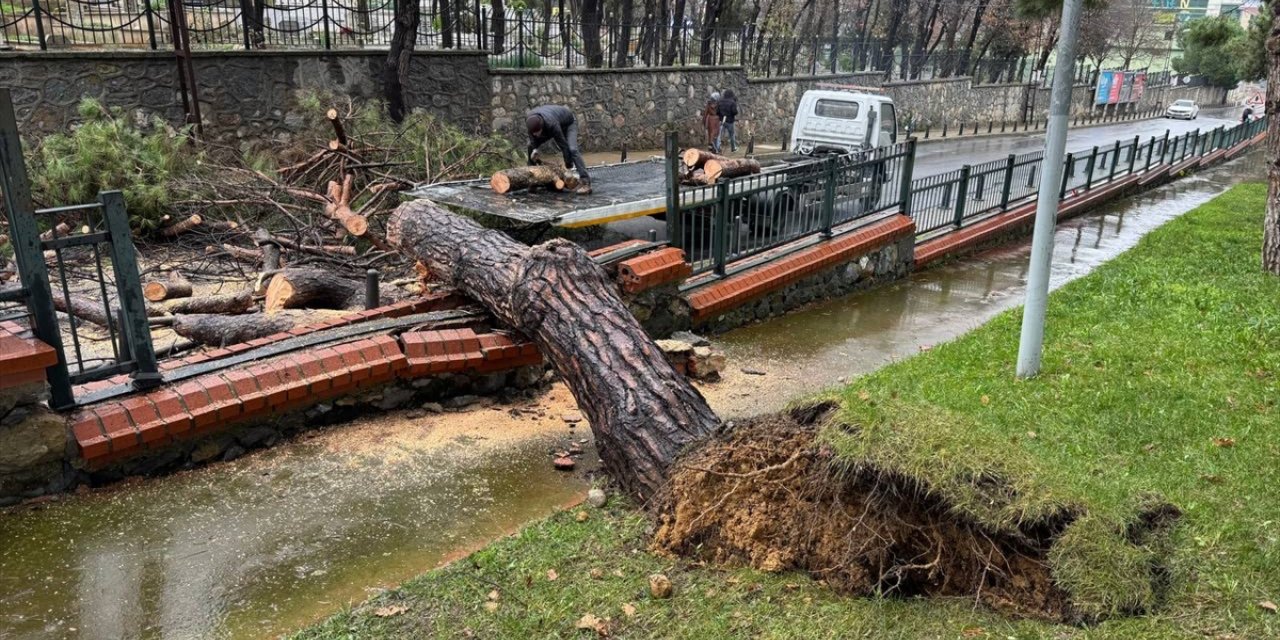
point(730, 168)
point(312, 289)
point(226, 303)
point(175, 287)
point(518, 178)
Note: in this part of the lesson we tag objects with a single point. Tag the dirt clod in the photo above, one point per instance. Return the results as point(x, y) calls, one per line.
point(660, 586)
point(564, 463)
point(768, 495)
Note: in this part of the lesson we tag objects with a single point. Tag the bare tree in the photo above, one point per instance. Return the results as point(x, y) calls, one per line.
point(1135, 31)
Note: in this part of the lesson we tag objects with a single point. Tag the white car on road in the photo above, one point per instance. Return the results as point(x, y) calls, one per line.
point(1183, 110)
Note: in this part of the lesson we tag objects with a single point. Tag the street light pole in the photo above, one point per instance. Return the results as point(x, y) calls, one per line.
point(1055, 146)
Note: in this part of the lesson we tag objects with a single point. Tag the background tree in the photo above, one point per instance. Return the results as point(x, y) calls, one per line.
point(1207, 46)
point(395, 72)
point(1271, 224)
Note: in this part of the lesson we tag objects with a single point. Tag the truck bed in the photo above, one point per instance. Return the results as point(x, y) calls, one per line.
point(620, 191)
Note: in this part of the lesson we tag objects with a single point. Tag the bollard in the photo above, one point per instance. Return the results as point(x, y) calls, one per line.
point(751, 145)
point(371, 296)
point(653, 235)
point(624, 153)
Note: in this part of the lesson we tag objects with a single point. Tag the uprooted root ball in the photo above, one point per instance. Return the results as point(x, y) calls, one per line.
point(768, 493)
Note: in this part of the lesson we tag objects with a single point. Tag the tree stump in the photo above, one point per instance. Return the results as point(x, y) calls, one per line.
point(642, 412)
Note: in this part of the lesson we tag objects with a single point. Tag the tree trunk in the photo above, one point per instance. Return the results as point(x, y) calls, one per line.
point(730, 168)
point(312, 289)
point(1271, 224)
point(226, 303)
point(710, 20)
point(498, 27)
point(592, 15)
point(219, 330)
point(677, 34)
point(542, 175)
point(622, 45)
point(395, 72)
point(82, 308)
point(175, 287)
point(642, 412)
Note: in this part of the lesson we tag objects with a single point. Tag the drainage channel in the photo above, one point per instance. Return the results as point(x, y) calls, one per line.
point(261, 545)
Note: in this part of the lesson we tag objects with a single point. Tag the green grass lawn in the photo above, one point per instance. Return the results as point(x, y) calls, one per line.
point(1160, 383)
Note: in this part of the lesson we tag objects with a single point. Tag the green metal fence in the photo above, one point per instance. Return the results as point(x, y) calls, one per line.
point(96, 257)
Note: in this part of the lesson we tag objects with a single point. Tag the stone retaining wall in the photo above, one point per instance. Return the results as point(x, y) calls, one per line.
point(250, 95)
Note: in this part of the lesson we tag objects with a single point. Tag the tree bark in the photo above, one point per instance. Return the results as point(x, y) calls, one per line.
point(592, 17)
point(312, 289)
point(175, 287)
point(542, 175)
point(219, 330)
point(82, 308)
point(1271, 223)
point(730, 168)
point(226, 303)
point(395, 71)
point(642, 412)
point(677, 34)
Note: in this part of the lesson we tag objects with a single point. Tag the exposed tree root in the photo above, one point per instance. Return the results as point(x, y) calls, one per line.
point(768, 494)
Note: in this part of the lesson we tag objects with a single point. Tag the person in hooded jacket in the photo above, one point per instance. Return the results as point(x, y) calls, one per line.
point(711, 119)
point(727, 108)
point(555, 123)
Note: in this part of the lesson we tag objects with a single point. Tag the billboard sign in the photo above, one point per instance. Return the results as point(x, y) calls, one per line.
point(1104, 88)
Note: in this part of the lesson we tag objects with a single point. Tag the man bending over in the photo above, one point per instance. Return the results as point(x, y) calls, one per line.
point(556, 123)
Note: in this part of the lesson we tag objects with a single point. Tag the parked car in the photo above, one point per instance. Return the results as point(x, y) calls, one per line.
point(1183, 110)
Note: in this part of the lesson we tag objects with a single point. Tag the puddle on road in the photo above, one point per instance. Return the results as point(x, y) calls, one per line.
point(265, 544)
point(817, 347)
point(262, 545)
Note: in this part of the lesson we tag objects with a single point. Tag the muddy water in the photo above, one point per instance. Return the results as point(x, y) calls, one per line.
point(262, 545)
point(823, 345)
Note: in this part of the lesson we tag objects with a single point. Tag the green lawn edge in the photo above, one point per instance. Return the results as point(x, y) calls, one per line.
point(1159, 384)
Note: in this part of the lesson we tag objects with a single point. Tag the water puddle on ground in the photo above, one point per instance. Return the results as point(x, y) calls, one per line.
point(262, 545)
point(827, 343)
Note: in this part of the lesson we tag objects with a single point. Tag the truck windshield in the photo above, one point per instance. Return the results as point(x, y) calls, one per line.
point(836, 109)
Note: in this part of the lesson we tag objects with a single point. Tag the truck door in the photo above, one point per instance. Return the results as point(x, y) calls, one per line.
point(888, 130)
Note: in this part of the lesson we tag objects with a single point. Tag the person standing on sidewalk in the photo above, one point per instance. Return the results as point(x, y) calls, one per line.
point(711, 119)
point(727, 108)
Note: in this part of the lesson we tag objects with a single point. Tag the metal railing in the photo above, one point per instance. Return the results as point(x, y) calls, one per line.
point(734, 219)
point(738, 218)
point(956, 198)
point(97, 279)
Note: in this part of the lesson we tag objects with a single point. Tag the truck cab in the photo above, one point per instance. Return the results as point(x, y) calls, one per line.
point(843, 120)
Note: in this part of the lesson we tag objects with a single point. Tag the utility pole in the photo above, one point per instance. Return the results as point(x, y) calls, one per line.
point(1055, 146)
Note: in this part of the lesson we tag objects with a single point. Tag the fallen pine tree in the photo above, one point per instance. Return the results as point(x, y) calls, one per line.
point(767, 491)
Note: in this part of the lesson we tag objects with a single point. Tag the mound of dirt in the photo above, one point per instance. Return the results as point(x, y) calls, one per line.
point(768, 494)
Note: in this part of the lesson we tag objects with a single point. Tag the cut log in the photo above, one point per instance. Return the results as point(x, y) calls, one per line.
point(339, 207)
point(730, 168)
point(225, 303)
point(642, 412)
point(697, 177)
point(541, 175)
point(219, 330)
point(175, 287)
point(251, 256)
point(312, 289)
point(59, 230)
point(83, 308)
point(697, 158)
point(182, 226)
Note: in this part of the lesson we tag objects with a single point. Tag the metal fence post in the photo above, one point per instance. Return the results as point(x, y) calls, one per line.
point(1093, 159)
point(1151, 150)
point(1008, 182)
point(1068, 172)
point(36, 9)
point(962, 196)
point(328, 28)
point(720, 228)
point(124, 261)
point(28, 251)
point(151, 24)
point(908, 167)
point(829, 196)
point(1133, 153)
point(1115, 161)
point(568, 52)
point(675, 231)
point(1164, 147)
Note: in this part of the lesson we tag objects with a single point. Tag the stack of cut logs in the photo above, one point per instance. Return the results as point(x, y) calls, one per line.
point(703, 167)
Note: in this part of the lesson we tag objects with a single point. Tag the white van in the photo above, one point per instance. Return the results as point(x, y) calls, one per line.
point(837, 119)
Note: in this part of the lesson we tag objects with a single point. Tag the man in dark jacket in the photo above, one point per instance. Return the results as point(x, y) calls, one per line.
point(552, 122)
point(728, 111)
